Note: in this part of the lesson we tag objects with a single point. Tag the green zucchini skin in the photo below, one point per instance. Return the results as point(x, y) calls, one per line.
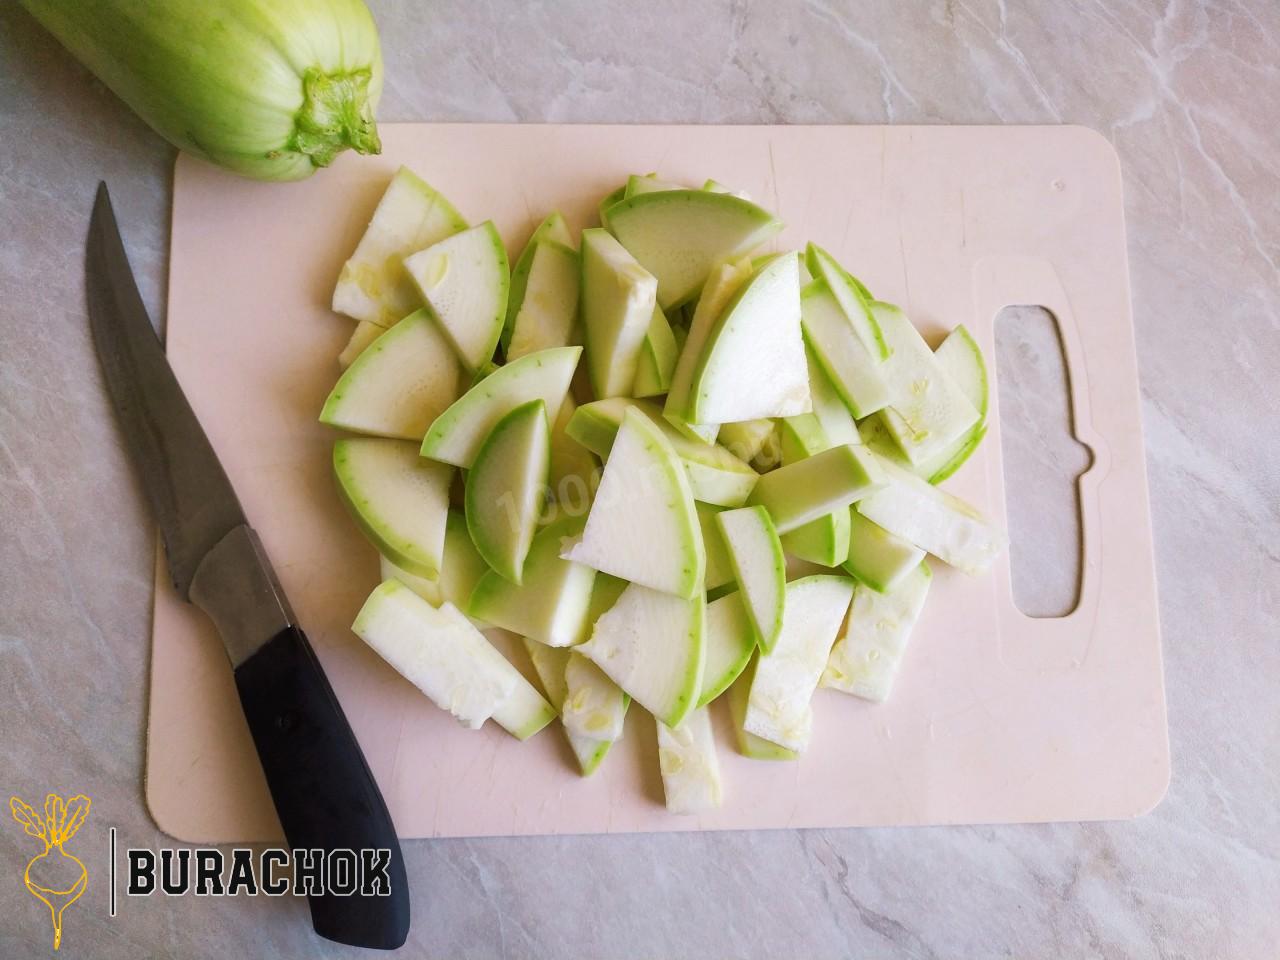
point(271, 89)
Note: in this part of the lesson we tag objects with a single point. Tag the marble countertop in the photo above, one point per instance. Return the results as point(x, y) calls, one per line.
point(1188, 92)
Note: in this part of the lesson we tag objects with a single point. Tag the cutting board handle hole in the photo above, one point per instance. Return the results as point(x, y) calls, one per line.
point(1043, 461)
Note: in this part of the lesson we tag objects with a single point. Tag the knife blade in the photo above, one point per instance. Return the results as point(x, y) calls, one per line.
point(319, 781)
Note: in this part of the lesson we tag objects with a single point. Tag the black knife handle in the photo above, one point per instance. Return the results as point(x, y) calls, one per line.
point(323, 790)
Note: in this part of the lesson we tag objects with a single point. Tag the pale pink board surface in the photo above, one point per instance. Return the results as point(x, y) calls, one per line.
point(995, 716)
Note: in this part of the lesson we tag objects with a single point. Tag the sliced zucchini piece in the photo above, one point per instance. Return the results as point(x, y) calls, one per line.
point(398, 384)
point(854, 373)
point(461, 568)
point(715, 475)
point(373, 285)
point(818, 485)
point(722, 284)
point(866, 659)
point(549, 663)
point(719, 571)
point(551, 603)
point(778, 707)
point(643, 526)
point(934, 520)
point(438, 651)
point(553, 229)
point(548, 315)
point(752, 365)
point(687, 759)
point(749, 745)
point(650, 644)
point(617, 308)
point(594, 706)
point(927, 413)
point(399, 500)
point(506, 488)
point(759, 569)
point(464, 281)
point(748, 440)
point(729, 639)
point(657, 359)
point(456, 435)
point(678, 235)
point(364, 334)
point(876, 557)
point(852, 298)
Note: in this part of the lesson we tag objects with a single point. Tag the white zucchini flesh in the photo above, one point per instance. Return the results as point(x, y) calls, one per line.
point(715, 475)
point(506, 488)
point(851, 369)
point(456, 435)
point(928, 412)
point(865, 661)
point(552, 602)
point(852, 298)
point(753, 364)
point(878, 558)
point(524, 711)
point(398, 384)
point(464, 281)
point(723, 283)
point(934, 520)
point(373, 285)
point(759, 567)
point(702, 432)
point(438, 651)
point(549, 313)
point(643, 526)
point(595, 707)
point(729, 640)
point(553, 229)
point(399, 500)
point(651, 645)
point(837, 422)
point(778, 708)
point(690, 769)
point(818, 485)
point(618, 300)
point(549, 664)
point(749, 745)
point(678, 235)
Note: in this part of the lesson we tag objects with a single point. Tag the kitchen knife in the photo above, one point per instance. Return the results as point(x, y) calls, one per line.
point(321, 785)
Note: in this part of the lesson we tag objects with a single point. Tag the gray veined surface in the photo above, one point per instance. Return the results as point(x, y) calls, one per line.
point(1187, 94)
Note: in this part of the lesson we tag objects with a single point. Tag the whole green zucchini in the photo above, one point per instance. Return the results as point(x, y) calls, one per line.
point(271, 89)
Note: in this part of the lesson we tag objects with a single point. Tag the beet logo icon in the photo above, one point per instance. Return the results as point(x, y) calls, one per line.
point(54, 876)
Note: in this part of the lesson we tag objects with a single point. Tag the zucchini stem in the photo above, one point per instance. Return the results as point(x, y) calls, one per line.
point(335, 115)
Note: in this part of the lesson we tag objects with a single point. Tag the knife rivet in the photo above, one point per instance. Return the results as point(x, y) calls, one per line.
point(285, 721)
